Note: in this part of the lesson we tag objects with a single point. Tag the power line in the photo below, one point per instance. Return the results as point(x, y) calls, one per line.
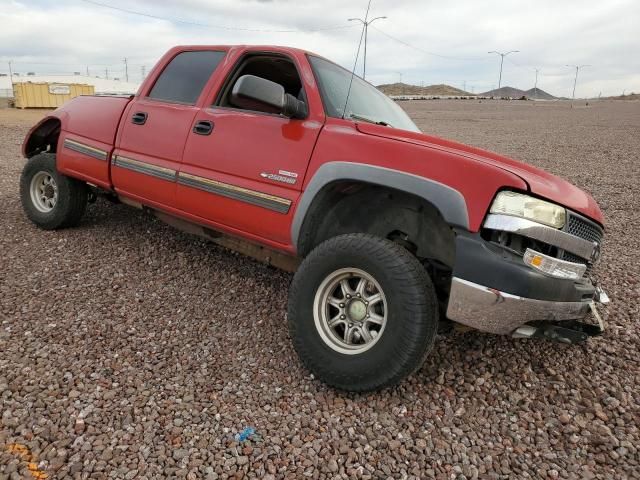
point(208, 25)
point(407, 44)
point(542, 74)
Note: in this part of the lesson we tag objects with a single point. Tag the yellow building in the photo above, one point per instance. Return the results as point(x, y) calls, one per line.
point(48, 95)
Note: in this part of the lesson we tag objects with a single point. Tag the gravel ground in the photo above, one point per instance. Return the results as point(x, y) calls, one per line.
point(129, 350)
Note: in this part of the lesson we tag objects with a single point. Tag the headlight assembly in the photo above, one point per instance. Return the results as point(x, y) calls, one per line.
point(520, 205)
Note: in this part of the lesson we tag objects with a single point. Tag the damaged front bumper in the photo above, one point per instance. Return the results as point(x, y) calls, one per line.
point(493, 311)
point(492, 290)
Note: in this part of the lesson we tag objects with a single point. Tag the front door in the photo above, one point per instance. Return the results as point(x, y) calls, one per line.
point(246, 173)
point(155, 128)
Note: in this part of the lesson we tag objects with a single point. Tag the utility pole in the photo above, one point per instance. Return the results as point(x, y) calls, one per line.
point(464, 86)
point(106, 73)
point(400, 75)
point(11, 78)
point(535, 85)
point(126, 70)
point(366, 24)
point(575, 80)
point(143, 71)
point(87, 70)
point(502, 55)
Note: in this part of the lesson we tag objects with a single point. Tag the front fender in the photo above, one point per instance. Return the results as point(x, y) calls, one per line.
point(447, 200)
point(46, 128)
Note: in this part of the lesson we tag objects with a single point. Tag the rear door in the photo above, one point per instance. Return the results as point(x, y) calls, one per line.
point(156, 125)
point(246, 173)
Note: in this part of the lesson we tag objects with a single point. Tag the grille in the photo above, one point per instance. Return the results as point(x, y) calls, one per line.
point(570, 257)
point(583, 228)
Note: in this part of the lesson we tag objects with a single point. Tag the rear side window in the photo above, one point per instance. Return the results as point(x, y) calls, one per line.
point(184, 78)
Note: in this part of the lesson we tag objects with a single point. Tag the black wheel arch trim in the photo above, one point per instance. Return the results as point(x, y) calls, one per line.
point(448, 201)
point(49, 126)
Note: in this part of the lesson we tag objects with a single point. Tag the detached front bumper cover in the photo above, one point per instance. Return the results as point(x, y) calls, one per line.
point(493, 311)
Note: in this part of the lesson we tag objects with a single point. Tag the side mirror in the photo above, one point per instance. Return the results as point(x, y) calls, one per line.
point(255, 93)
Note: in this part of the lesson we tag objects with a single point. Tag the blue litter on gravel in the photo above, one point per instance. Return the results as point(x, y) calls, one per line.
point(245, 434)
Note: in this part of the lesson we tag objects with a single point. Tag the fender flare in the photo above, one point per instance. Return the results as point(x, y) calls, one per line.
point(448, 201)
point(49, 119)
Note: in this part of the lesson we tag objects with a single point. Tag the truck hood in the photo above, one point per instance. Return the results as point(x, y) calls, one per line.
point(541, 183)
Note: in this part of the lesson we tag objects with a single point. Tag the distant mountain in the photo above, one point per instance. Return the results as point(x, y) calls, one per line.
point(538, 94)
point(405, 89)
point(398, 89)
point(510, 92)
point(628, 96)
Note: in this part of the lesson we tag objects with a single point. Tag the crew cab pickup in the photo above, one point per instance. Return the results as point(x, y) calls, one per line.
point(286, 156)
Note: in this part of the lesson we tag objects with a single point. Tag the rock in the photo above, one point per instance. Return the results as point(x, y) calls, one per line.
point(79, 427)
point(180, 453)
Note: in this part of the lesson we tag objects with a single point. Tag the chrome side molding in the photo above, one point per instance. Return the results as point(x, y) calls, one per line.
point(79, 147)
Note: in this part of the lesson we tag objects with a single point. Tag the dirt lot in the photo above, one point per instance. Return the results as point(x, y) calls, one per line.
point(129, 350)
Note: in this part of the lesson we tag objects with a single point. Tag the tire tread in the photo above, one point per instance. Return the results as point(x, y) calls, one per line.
point(418, 302)
point(72, 195)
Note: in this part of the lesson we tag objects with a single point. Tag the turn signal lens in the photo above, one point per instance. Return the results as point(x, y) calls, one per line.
point(520, 205)
point(553, 267)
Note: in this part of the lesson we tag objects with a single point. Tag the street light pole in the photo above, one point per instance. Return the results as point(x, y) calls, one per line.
point(502, 55)
point(11, 79)
point(575, 80)
point(366, 24)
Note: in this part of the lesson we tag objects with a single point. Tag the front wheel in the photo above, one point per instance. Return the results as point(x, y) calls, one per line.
point(362, 312)
point(51, 200)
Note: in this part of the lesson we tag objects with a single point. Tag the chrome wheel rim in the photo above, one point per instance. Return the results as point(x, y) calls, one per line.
point(350, 311)
point(44, 192)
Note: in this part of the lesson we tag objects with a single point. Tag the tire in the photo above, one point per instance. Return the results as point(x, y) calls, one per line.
point(59, 201)
point(407, 305)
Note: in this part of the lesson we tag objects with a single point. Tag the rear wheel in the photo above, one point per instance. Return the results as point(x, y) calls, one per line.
point(362, 312)
point(51, 200)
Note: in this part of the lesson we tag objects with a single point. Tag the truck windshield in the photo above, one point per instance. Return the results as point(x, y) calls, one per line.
point(366, 103)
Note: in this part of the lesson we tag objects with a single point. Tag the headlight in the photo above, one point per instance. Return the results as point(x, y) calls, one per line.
point(519, 205)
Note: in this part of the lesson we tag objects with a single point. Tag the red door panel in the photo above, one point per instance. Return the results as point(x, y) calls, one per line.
point(148, 156)
point(248, 172)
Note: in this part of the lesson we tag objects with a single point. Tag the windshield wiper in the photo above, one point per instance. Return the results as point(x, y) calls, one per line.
point(364, 118)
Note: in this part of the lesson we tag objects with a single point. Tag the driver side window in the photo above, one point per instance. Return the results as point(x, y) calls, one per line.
point(276, 68)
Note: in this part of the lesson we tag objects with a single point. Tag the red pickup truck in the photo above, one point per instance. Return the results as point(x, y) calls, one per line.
point(285, 156)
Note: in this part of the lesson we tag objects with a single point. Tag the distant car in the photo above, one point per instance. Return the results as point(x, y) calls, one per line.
point(287, 157)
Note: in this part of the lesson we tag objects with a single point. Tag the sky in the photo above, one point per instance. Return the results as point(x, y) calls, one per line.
point(420, 42)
